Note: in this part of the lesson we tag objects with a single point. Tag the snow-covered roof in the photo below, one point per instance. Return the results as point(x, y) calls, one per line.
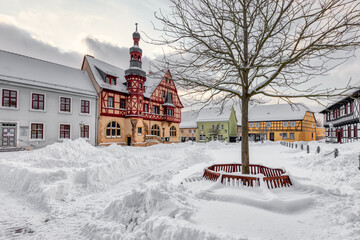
point(352, 89)
point(188, 119)
point(214, 114)
point(21, 69)
point(277, 112)
point(97, 66)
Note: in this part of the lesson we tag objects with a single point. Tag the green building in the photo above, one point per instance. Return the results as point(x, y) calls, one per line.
point(210, 124)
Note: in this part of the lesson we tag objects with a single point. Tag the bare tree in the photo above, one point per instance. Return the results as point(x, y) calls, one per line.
point(249, 49)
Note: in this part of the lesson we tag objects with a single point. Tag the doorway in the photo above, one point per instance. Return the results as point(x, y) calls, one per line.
point(271, 136)
point(8, 135)
point(129, 141)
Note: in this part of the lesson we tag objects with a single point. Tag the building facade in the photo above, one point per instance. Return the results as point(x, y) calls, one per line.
point(210, 124)
point(42, 103)
point(342, 120)
point(281, 122)
point(134, 108)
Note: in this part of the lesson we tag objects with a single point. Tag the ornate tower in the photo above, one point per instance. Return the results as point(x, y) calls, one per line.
point(135, 78)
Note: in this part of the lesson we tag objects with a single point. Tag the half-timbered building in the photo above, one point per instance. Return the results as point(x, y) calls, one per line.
point(281, 122)
point(135, 108)
point(342, 119)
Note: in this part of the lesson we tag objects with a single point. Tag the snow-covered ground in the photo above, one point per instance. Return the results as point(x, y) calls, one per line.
point(73, 190)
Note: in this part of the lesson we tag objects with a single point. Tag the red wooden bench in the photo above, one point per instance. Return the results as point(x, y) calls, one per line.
point(274, 177)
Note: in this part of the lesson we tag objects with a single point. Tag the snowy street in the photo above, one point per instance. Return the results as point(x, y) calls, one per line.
point(76, 191)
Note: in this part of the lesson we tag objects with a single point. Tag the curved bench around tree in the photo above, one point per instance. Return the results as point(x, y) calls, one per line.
point(231, 175)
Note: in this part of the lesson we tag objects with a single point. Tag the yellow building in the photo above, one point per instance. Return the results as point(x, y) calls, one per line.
point(281, 122)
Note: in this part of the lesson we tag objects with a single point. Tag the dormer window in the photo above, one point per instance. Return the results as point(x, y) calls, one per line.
point(110, 80)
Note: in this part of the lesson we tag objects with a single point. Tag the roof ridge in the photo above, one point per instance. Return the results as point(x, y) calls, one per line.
point(103, 62)
point(38, 59)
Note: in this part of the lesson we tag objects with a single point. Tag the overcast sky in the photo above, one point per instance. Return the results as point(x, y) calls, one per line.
point(62, 31)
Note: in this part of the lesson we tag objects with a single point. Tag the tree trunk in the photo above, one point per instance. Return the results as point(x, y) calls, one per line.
point(245, 135)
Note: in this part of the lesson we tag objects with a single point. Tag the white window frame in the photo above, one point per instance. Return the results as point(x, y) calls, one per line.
point(71, 105)
point(268, 124)
point(257, 125)
point(58, 131)
point(86, 114)
point(293, 124)
point(37, 110)
point(282, 135)
point(37, 139)
point(85, 124)
point(17, 99)
point(251, 125)
point(285, 124)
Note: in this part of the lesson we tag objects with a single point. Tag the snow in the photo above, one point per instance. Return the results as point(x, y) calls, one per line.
point(152, 80)
point(73, 190)
point(274, 112)
point(214, 114)
point(26, 70)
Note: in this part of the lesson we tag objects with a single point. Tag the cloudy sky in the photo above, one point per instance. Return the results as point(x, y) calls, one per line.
point(62, 31)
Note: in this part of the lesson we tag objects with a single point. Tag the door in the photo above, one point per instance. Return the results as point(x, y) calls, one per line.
point(129, 141)
point(271, 136)
point(8, 135)
point(338, 136)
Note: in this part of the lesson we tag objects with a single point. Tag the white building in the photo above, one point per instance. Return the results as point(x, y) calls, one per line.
point(43, 102)
point(342, 119)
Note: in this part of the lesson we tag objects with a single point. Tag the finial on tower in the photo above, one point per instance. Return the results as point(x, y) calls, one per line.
point(136, 27)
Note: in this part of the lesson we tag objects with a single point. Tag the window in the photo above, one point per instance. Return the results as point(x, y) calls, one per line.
point(37, 101)
point(251, 125)
point(285, 124)
point(194, 130)
point(129, 84)
point(189, 130)
point(139, 130)
point(257, 125)
point(37, 131)
point(292, 136)
point(173, 131)
point(64, 131)
point(65, 104)
point(268, 124)
point(85, 106)
point(182, 131)
point(284, 135)
point(84, 131)
point(156, 109)
point(163, 94)
point(113, 130)
point(155, 130)
point(9, 98)
point(122, 103)
point(108, 80)
point(110, 102)
point(220, 137)
point(202, 137)
point(213, 127)
point(146, 107)
point(202, 127)
point(140, 85)
point(292, 124)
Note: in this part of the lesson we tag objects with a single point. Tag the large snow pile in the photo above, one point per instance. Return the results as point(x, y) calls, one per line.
point(157, 192)
point(63, 170)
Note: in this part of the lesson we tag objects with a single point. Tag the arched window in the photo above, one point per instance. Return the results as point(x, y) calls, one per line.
point(173, 131)
point(113, 130)
point(155, 130)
